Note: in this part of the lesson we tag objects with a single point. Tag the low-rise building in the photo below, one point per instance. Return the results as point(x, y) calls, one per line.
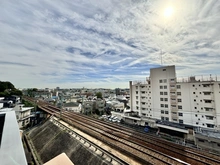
point(23, 115)
point(72, 106)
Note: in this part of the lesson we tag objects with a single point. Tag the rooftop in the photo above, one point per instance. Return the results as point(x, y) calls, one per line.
point(11, 148)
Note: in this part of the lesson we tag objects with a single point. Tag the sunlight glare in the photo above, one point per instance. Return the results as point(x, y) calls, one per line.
point(168, 11)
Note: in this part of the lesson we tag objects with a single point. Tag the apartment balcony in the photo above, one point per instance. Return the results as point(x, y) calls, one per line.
point(174, 109)
point(173, 96)
point(206, 89)
point(207, 97)
point(172, 89)
point(174, 116)
point(173, 102)
point(172, 81)
point(209, 105)
point(143, 99)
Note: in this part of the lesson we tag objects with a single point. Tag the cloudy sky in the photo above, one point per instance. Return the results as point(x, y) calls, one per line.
point(105, 43)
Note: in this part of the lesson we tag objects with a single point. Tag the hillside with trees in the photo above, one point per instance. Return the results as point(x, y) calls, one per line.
point(8, 89)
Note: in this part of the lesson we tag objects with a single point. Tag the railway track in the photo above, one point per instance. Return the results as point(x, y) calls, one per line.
point(183, 153)
point(142, 154)
point(142, 147)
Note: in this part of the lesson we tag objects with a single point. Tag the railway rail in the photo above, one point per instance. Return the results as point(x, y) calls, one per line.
point(142, 154)
point(145, 148)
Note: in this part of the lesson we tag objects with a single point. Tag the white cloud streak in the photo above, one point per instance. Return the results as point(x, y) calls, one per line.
point(105, 43)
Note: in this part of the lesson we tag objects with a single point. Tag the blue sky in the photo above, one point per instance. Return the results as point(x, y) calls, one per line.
point(93, 43)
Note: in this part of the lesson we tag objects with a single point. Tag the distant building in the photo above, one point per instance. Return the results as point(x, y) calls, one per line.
point(189, 101)
point(72, 106)
point(23, 115)
point(117, 91)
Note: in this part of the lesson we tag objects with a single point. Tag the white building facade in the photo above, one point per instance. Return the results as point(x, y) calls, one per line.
point(189, 101)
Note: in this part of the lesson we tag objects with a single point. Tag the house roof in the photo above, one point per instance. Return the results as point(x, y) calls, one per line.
point(71, 104)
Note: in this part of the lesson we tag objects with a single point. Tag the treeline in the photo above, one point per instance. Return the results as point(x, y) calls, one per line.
point(8, 89)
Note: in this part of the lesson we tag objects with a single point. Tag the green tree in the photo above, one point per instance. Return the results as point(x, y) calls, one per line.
point(99, 95)
point(7, 89)
point(6, 85)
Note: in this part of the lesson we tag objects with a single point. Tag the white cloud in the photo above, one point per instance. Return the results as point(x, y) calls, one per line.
point(105, 43)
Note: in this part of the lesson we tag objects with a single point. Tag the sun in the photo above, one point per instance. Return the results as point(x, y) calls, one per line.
point(168, 11)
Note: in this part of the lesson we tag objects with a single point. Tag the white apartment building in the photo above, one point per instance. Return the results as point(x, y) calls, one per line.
point(193, 101)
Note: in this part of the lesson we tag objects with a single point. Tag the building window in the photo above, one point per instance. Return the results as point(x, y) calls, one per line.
point(180, 107)
point(161, 93)
point(207, 93)
point(166, 105)
point(195, 107)
point(179, 100)
point(210, 125)
point(165, 87)
point(161, 99)
point(165, 99)
point(194, 100)
point(162, 111)
point(165, 93)
point(161, 87)
point(178, 87)
point(193, 85)
point(162, 118)
point(167, 118)
point(161, 105)
point(172, 79)
point(136, 97)
point(181, 121)
point(136, 92)
point(136, 102)
point(179, 93)
point(166, 112)
point(208, 109)
point(136, 87)
point(165, 80)
point(196, 115)
point(208, 101)
point(164, 69)
point(161, 81)
point(180, 114)
point(209, 117)
point(194, 92)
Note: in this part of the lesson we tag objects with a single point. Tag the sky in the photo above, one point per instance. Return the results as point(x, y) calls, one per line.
point(105, 43)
